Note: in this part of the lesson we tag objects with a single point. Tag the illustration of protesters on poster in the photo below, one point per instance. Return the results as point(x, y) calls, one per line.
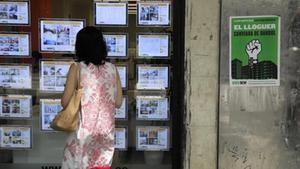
point(254, 51)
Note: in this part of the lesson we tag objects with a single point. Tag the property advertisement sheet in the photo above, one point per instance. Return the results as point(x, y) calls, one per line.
point(152, 77)
point(15, 44)
point(152, 138)
point(116, 45)
point(154, 13)
point(49, 109)
point(121, 113)
point(151, 46)
point(15, 137)
point(14, 12)
point(123, 75)
point(111, 13)
point(152, 108)
point(59, 35)
point(53, 75)
point(121, 138)
point(17, 77)
point(15, 106)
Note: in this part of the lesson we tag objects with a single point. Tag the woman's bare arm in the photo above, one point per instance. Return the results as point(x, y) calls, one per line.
point(119, 91)
point(70, 86)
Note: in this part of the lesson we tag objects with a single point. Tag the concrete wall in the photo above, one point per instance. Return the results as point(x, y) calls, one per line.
point(259, 126)
point(202, 61)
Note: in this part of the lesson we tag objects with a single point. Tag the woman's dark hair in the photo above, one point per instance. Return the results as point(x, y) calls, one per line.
point(90, 46)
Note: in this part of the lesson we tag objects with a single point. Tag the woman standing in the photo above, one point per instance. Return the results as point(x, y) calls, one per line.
point(92, 145)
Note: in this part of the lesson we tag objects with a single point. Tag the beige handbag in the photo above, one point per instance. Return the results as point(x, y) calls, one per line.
point(67, 119)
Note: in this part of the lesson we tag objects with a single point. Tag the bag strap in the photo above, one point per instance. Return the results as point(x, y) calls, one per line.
point(78, 75)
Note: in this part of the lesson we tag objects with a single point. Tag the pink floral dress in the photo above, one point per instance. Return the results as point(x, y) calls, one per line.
point(92, 145)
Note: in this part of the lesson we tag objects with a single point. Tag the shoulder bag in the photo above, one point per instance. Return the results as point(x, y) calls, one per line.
point(67, 119)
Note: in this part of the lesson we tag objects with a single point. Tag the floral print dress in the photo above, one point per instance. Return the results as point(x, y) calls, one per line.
point(92, 145)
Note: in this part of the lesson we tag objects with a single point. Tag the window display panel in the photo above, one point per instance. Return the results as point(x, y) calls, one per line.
point(111, 13)
point(59, 35)
point(153, 14)
point(16, 77)
point(121, 138)
point(14, 13)
point(48, 81)
point(15, 106)
point(116, 45)
point(152, 138)
point(152, 108)
point(15, 45)
point(53, 74)
point(15, 137)
point(48, 110)
point(121, 113)
point(153, 46)
point(122, 69)
point(151, 77)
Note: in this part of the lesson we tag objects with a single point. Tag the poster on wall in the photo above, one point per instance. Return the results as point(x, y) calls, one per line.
point(122, 69)
point(14, 12)
point(153, 46)
point(53, 74)
point(59, 35)
point(116, 45)
point(153, 14)
point(152, 77)
point(121, 113)
point(16, 77)
point(15, 137)
point(48, 108)
point(152, 138)
point(152, 108)
point(15, 45)
point(15, 106)
point(120, 138)
point(111, 13)
point(254, 50)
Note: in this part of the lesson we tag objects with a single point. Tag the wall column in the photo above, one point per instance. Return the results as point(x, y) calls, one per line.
point(202, 83)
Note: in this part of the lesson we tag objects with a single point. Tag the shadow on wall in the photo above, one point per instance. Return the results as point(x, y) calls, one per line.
point(291, 127)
